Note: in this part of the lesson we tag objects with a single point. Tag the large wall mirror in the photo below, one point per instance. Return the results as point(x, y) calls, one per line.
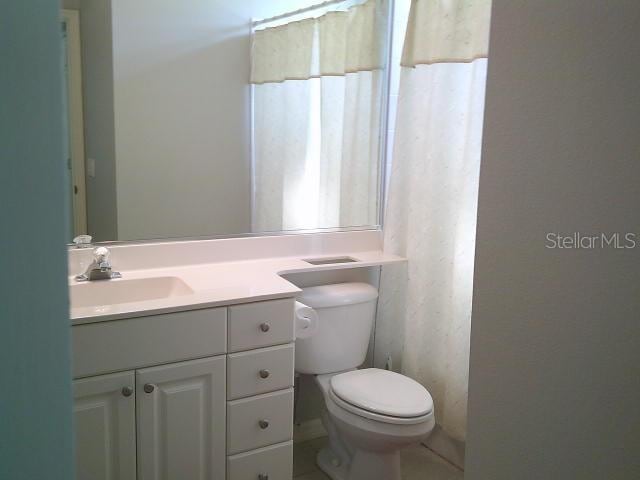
point(204, 118)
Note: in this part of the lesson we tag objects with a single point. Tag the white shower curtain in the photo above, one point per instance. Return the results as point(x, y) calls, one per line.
point(431, 211)
point(316, 120)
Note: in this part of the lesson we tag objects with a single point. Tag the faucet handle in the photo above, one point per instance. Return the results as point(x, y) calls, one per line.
point(101, 256)
point(83, 241)
point(100, 268)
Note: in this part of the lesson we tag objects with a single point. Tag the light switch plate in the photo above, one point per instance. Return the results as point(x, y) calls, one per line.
point(91, 167)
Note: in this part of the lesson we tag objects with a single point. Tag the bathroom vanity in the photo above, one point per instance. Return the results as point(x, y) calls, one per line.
point(184, 367)
point(186, 395)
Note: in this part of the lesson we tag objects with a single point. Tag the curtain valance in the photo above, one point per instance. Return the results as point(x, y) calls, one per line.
point(333, 44)
point(446, 31)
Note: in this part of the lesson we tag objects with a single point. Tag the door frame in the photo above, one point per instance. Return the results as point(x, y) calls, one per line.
point(76, 121)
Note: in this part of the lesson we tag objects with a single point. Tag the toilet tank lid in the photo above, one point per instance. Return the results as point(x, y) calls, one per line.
point(338, 294)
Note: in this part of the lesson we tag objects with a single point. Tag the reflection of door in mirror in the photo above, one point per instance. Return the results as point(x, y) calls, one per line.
point(72, 110)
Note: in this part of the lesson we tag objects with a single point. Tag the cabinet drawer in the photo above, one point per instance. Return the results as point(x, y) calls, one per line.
point(274, 462)
point(244, 418)
point(259, 371)
point(138, 342)
point(260, 324)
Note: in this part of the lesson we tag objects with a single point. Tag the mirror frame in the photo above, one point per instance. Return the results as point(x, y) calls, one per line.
point(109, 243)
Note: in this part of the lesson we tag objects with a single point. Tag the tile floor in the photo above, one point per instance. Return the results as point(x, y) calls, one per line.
point(418, 463)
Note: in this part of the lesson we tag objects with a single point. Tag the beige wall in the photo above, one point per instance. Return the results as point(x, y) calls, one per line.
point(555, 360)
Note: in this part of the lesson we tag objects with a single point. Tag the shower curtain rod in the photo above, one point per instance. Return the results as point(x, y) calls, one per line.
point(296, 12)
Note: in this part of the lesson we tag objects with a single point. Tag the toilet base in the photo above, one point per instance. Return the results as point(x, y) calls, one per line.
point(332, 465)
point(364, 465)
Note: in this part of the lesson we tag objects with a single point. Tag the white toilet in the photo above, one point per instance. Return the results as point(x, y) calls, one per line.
point(371, 413)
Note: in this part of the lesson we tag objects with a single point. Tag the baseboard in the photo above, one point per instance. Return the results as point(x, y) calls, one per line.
point(308, 431)
point(448, 448)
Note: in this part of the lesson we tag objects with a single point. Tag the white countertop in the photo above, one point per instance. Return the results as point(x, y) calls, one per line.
point(223, 283)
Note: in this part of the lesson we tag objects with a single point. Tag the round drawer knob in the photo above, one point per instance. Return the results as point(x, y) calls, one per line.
point(265, 327)
point(127, 391)
point(148, 387)
point(263, 476)
point(264, 424)
point(264, 373)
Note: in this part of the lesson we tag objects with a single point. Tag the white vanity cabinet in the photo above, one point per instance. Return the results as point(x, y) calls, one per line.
point(105, 427)
point(178, 405)
point(181, 420)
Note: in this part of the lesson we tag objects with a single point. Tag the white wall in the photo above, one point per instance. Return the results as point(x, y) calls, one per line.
point(181, 116)
point(555, 359)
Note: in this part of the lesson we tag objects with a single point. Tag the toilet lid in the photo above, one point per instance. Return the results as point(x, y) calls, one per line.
point(382, 392)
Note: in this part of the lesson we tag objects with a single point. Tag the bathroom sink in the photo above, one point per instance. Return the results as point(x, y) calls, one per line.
point(111, 292)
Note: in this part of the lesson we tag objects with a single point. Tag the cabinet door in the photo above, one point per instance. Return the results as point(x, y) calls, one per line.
point(104, 422)
point(181, 420)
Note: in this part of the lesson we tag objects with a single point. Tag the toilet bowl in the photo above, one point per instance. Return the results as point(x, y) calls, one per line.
point(370, 413)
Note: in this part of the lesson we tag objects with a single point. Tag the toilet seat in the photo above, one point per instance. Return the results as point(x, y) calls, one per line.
point(382, 396)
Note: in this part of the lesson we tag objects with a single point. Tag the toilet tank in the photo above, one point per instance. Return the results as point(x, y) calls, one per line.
point(345, 319)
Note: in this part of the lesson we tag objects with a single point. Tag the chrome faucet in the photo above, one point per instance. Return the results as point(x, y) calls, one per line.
point(100, 267)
